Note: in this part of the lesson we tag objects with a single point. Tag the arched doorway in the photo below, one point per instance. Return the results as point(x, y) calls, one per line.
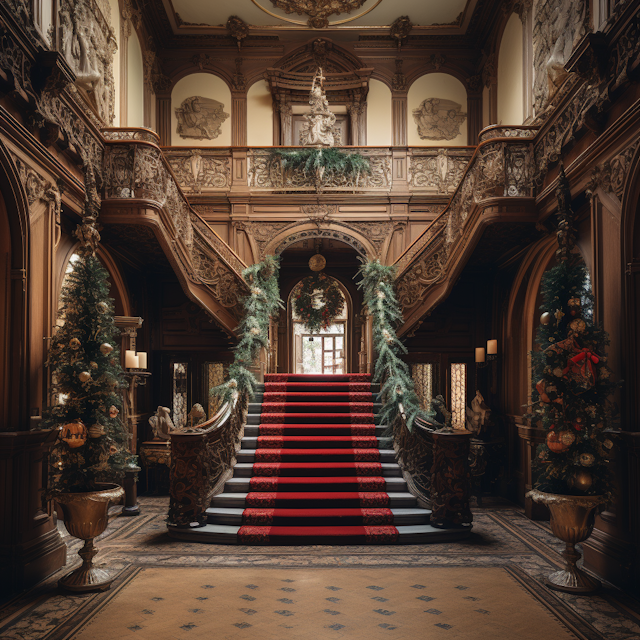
point(343, 340)
point(324, 353)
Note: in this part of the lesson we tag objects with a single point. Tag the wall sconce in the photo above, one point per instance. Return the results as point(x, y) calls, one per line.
point(491, 355)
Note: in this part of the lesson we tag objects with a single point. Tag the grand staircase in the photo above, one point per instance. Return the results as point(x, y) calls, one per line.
point(315, 468)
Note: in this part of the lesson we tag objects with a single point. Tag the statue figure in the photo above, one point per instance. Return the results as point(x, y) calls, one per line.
point(161, 424)
point(197, 415)
point(442, 415)
point(318, 128)
point(478, 416)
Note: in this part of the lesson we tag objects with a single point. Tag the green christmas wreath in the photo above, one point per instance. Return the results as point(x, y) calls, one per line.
point(317, 312)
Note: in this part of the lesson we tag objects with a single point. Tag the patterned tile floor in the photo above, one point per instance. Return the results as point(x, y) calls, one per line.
point(502, 538)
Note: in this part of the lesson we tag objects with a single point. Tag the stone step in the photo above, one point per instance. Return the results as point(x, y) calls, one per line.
point(301, 500)
point(249, 455)
point(253, 430)
point(231, 516)
point(245, 470)
point(227, 534)
point(310, 442)
point(322, 483)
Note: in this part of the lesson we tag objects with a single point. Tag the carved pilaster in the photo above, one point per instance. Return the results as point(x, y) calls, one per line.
point(399, 118)
point(239, 119)
point(286, 121)
point(163, 119)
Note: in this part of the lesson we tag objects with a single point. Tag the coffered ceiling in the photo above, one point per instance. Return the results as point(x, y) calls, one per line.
point(280, 15)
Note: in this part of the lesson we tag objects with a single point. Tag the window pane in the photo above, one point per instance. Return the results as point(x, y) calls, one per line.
point(423, 375)
point(180, 394)
point(458, 395)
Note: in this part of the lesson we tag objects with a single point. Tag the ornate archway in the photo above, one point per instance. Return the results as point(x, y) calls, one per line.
point(327, 231)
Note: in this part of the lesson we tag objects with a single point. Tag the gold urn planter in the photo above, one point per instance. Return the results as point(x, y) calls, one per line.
point(572, 519)
point(85, 517)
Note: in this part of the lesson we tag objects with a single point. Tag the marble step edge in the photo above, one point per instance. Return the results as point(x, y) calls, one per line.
point(237, 500)
point(228, 534)
point(255, 418)
point(242, 484)
point(251, 442)
point(245, 470)
point(253, 430)
point(401, 516)
point(248, 455)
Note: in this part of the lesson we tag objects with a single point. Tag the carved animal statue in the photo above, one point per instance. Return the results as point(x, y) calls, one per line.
point(161, 424)
point(479, 415)
point(442, 414)
point(196, 415)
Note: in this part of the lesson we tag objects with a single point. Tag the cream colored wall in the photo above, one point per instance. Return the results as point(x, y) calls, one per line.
point(510, 74)
point(259, 115)
point(115, 23)
point(208, 86)
point(135, 83)
point(379, 114)
point(435, 85)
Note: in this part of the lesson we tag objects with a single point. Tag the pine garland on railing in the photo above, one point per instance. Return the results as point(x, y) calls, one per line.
point(320, 161)
point(398, 391)
point(260, 305)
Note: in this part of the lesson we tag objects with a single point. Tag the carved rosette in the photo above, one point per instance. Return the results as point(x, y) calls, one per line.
point(318, 12)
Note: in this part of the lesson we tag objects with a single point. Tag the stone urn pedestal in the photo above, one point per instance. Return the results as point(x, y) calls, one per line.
point(572, 519)
point(85, 517)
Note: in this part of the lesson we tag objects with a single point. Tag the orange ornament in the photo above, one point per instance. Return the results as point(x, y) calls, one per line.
point(74, 434)
point(556, 442)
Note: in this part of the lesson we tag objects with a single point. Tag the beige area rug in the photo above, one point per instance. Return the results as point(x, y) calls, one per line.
point(470, 603)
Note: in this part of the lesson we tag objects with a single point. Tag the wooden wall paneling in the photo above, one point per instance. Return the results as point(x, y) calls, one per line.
point(239, 119)
point(399, 118)
point(163, 118)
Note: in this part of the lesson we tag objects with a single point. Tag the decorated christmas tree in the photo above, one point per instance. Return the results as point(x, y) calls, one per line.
point(86, 377)
point(572, 383)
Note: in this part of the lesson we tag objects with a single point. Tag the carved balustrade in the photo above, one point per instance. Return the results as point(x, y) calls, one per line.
point(202, 459)
point(136, 170)
point(436, 170)
point(435, 465)
point(502, 166)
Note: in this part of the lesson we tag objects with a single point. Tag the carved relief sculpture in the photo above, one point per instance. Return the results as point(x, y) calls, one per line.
point(318, 12)
point(200, 118)
point(438, 119)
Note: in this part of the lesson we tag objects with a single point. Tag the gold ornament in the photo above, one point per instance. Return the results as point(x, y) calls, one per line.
point(74, 434)
point(587, 459)
point(559, 314)
point(545, 318)
point(557, 372)
point(607, 444)
point(113, 411)
point(555, 442)
point(575, 303)
point(93, 365)
point(581, 480)
point(96, 431)
point(74, 343)
point(317, 262)
point(105, 348)
point(84, 376)
point(102, 307)
point(567, 437)
point(577, 326)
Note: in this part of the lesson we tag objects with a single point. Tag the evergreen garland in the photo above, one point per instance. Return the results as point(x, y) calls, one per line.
point(315, 320)
point(322, 161)
point(398, 391)
point(85, 365)
point(260, 305)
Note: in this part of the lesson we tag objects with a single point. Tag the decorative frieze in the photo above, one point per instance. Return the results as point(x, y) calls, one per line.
point(438, 119)
point(199, 170)
point(610, 176)
point(438, 170)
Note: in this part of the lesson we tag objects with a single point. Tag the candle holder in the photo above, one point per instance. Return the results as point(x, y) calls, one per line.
point(138, 377)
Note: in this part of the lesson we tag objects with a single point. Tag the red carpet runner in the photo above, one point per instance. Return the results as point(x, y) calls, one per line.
point(317, 470)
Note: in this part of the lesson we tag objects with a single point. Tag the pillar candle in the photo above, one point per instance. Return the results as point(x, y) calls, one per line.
point(142, 359)
point(130, 360)
point(480, 354)
point(492, 347)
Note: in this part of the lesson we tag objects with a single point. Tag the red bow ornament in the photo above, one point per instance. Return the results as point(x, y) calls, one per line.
point(581, 368)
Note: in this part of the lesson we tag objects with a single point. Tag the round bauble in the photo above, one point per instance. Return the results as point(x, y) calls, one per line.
point(84, 376)
point(102, 307)
point(74, 343)
point(96, 431)
point(555, 443)
point(93, 365)
point(113, 411)
point(581, 480)
point(545, 318)
point(557, 372)
point(567, 437)
point(317, 262)
point(577, 326)
point(587, 459)
point(105, 348)
point(575, 303)
point(74, 434)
